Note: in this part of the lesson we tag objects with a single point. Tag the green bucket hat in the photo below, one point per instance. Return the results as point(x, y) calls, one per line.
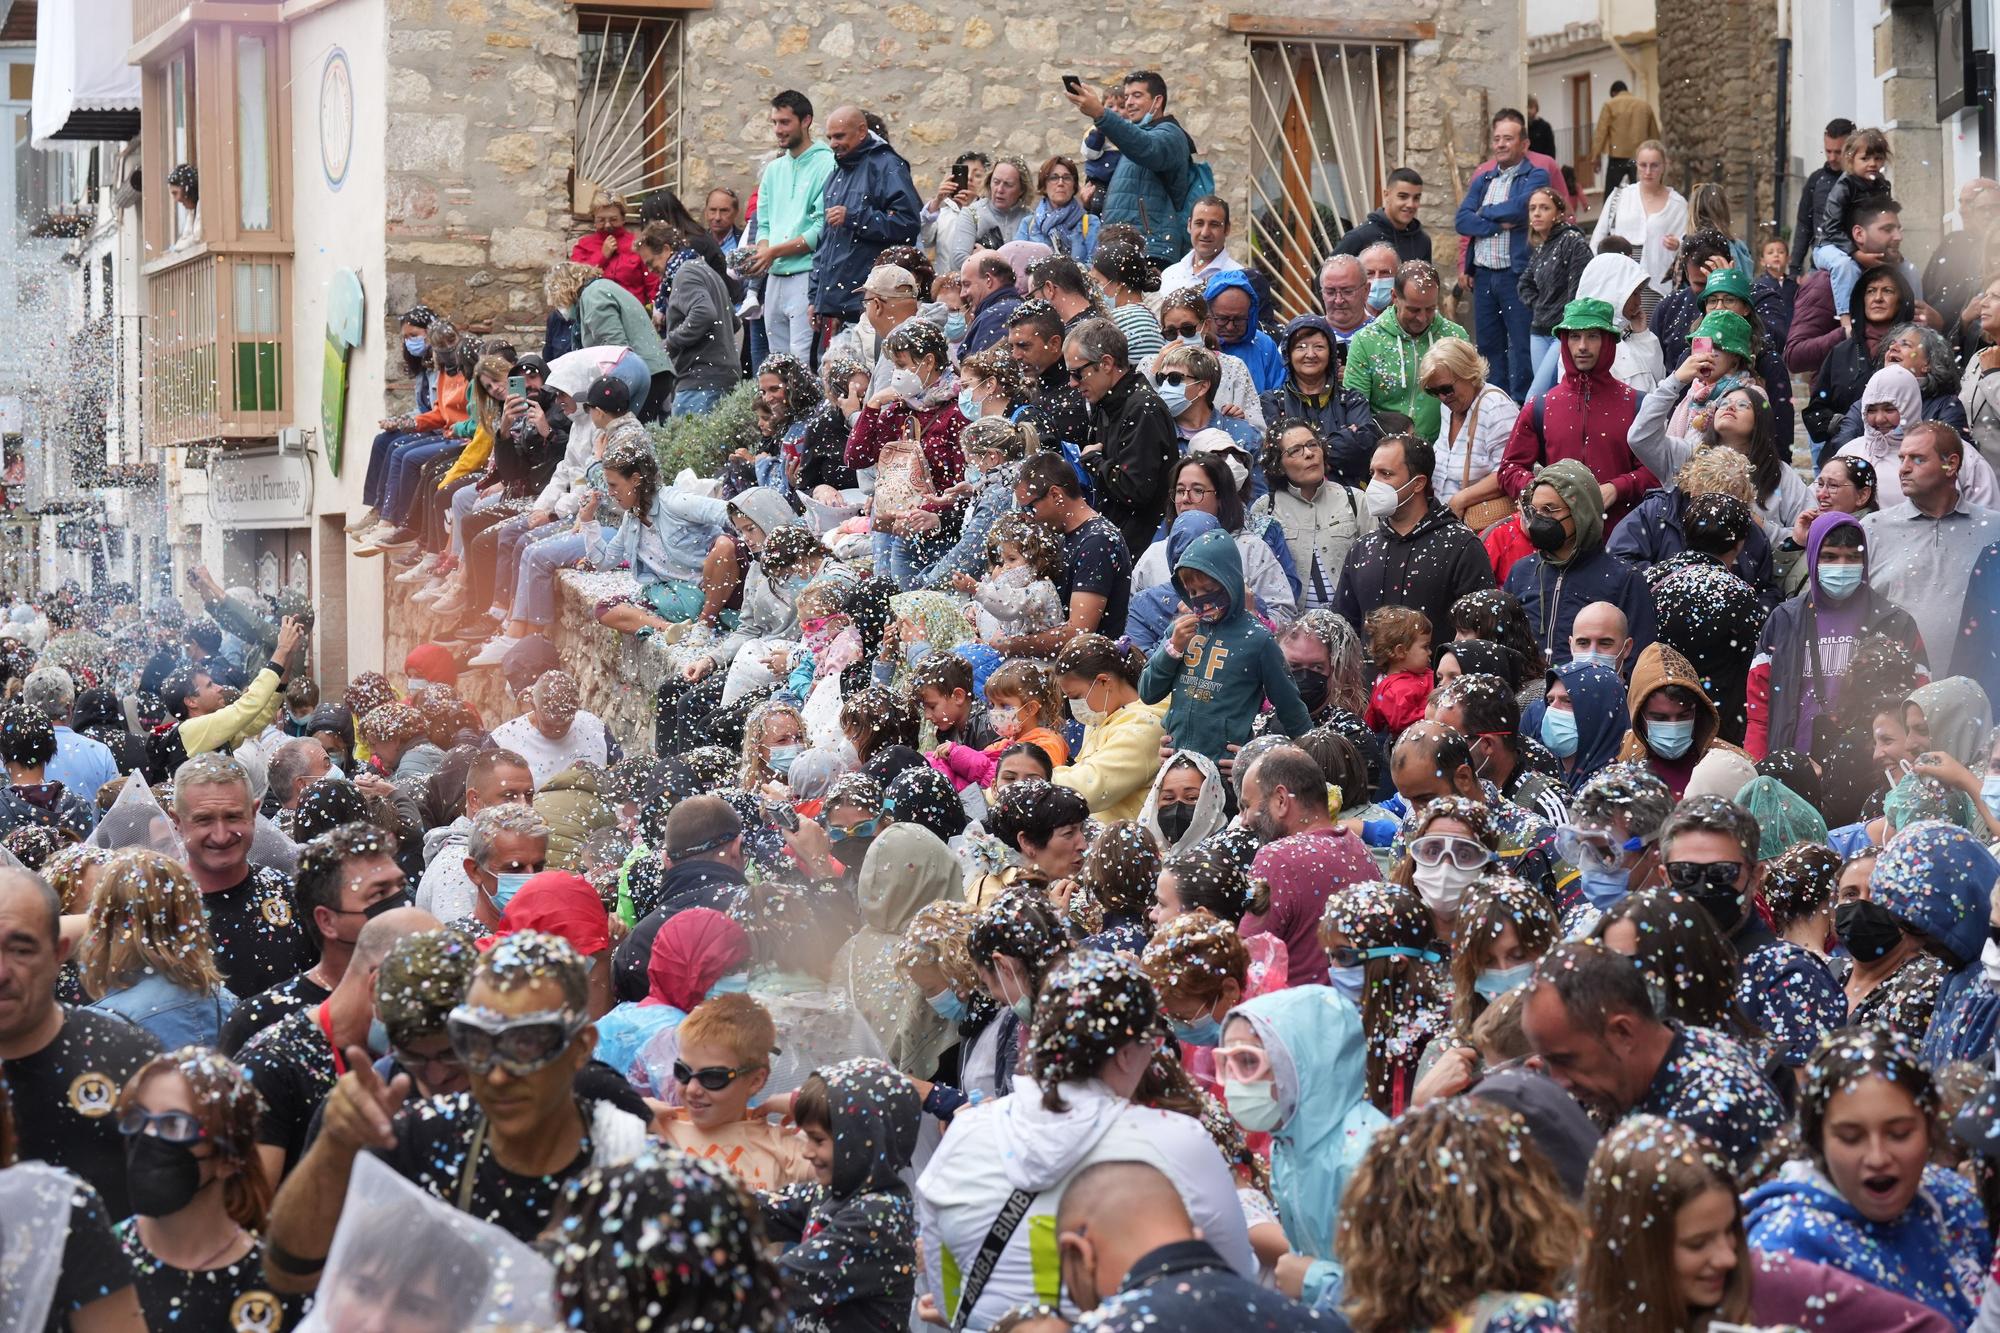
point(1588, 313)
point(1729, 281)
point(1729, 331)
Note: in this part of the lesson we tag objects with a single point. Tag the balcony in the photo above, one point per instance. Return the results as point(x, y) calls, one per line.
point(215, 348)
point(156, 20)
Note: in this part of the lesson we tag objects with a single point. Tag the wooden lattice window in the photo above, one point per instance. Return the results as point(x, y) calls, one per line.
point(629, 105)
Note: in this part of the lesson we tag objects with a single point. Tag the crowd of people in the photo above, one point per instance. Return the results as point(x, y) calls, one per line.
point(1157, 816)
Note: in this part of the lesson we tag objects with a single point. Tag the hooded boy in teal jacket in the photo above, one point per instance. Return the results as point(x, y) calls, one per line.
point(1220, 664)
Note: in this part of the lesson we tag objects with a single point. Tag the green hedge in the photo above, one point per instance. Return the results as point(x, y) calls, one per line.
point(703, 442)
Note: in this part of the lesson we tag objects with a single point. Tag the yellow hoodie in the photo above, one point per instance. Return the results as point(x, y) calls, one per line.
point(1114, 767)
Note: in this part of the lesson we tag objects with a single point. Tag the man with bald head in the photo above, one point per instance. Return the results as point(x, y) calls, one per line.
point(1127, 1250)
point(1343, 290)
point(65, 1067)
point(296, 1061)
point(1601, 634)
point(987, 280)
point(870, 203)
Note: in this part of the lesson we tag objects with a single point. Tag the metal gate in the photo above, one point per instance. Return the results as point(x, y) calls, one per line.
point(1327, 122)
point(628, 107)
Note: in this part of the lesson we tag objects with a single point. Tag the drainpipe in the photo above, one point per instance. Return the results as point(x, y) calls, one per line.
point(1781, 155)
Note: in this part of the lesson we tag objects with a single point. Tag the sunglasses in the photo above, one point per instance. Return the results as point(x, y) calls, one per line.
point(169, 1126)
point(1441, 391)
point(1435, 848)
point(1349, 956)
point(1181, 330)
point(1242, 1064)
point(1173, 377)
point(521, 1046)
point(1076, 373)
point(715, 1077)
point(1689, 876)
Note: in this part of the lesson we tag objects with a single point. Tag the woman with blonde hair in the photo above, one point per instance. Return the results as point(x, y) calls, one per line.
point(1498, 1233)
point(1480, 418)
point(1648, 216)
point(73, 873)
point(602, 313)
point(774, 734)
point(199, 1195)
point(148, 956)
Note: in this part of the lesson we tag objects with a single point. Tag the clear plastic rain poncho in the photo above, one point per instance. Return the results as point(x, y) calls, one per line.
point(136, 819)
point(34, 1228)
point(401, 1253)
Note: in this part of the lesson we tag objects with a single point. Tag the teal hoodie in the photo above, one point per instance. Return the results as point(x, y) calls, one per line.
point(1319, 1063)
point(1231, 668)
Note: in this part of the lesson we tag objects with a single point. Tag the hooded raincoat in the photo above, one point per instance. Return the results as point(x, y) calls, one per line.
point(693, 950)
point(1937, 878)
point(1552, 592)
point(1803, 652)
point(907, 867)
point(1255, 348)
point(1263, 575)
point(1597, 697)
point(1232, 666)
point(1584, 416)
point(1612, 279)
point(852, 1257)
point(1319, 1065)
point(1957, 716)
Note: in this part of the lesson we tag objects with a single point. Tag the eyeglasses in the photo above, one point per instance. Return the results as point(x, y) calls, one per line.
point(1306, 450)
point(1055, 176)
point(1689, 876)
point(1181, 330)
point(429, 1068)
point(1192, 492)
point(1434, 849)
point(1332, 293)
point(1556, 512)
point(521, 1046)
point(715, 1077)
point(1242, 1064)
point(1173, 377)
point(168, 1126)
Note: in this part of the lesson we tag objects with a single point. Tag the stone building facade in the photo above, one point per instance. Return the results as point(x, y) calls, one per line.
point(1718, 66)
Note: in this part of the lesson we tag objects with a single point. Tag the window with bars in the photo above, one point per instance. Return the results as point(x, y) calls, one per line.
point(1326, 129)
point(629, 103)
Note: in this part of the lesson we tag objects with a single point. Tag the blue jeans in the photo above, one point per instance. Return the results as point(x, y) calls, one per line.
point(514, 534)
point(760, 346)
point(696, 402)
point(1501, 326)
point(787, 321)
point(399, 492)
point(1547, 351)
point(535, 590)
point(1841, 271)
point(379, 454)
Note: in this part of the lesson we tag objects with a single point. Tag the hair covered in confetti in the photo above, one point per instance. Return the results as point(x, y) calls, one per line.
point(939, 936)
point(147, 916)
point(367, 692)
point(27, 737)
point(68, 873)
point(1690, 970)
point(1643, 1173)
point(555, 700)
point(1628, 791)
point(323, 862)
point(1022, 925)
point(1191, 956)
point(1849, 1057)
point(1212, 876)
point(227, 1104)
point(421, 980)
point(666, 1243)
point(532, 958)
point(1121, 867)
point(1465, 1175)
point(1091, 1006)
point(1494, 905)
point(1403, 997)
point(1799, 882)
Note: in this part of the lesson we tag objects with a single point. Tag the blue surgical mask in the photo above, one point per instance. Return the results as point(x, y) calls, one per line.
point(947, 1005)
point(1603, 888)
point(736, 983)
point(1174, 396)
point(1497, 981)
point(968, 406)
point(1024, 1008)
point(1380, 292)
point(1559, 732)
point(1605, 660)
point(1203, 1031)
point(506, 886)
point(1254, 1105)
point(1349, 980)
point(1839, 581)
point(955, 326)
point(1989, 792)
point(378, 1037)
point(416, 346)
point(781, 757)
point(1669, 740)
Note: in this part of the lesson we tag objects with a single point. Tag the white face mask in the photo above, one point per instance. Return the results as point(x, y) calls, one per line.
point(905, 384)
point(417, 683)
point(1383, 498)
point(1442, 886)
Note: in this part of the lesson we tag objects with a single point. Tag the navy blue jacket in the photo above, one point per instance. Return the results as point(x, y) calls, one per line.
point(1656, 529)
point(1186, 1286)
point(1564, 590)
point(989, 322)
point(1477, 218)
point(873, 184)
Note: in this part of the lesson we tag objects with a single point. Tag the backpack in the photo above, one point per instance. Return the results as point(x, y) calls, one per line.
point(1201, 183)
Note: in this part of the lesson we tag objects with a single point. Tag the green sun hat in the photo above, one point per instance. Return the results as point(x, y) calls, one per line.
point(1728, 281)
point(1728, 330)
point(1588, 313)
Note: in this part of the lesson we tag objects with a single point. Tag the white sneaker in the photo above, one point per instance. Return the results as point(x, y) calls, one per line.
point(364, 520)
point(420, 571)
point(494, 652)
point(449, 601)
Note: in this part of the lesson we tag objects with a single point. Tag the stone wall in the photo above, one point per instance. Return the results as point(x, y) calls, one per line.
point(1719, 100)
point(481, 136)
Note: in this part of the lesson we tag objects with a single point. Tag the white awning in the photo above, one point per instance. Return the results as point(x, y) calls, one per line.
point(83, 87)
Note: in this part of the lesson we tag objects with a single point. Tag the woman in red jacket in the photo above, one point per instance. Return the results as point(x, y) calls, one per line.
point(612, 248)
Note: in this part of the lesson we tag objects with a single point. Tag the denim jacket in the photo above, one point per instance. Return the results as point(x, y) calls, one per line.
point(687, 526)
point(177, 1015)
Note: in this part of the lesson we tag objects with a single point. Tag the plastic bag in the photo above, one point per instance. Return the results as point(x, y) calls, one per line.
point(135, 819)
point(421, 1263)
point(34, 1230)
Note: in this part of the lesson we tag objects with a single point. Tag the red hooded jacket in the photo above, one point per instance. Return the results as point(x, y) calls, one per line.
point(1585, 416)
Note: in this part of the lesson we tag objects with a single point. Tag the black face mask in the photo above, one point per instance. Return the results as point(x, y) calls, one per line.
point(1724, 907)
point(1313, 687)
point(1866, 931)
point(1175, 820)
point(389, 904)
point(1546, 533)
point(163, 1177)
